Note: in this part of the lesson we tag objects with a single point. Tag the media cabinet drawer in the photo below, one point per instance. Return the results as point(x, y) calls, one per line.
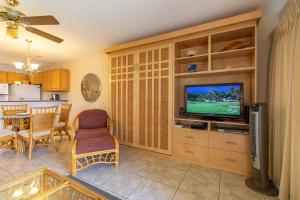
point(228, 141)
point(232, 161)
point(191, 136)
point(191, 152)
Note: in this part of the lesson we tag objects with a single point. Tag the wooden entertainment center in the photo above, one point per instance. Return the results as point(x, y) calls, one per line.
point(148, 78)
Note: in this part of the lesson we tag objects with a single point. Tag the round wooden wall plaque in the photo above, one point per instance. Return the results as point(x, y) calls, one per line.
point(91, 87)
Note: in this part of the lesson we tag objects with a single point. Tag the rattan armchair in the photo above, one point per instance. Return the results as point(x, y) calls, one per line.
point(61, 128)
point(8, 134)
point(41, 128)
point(93, 142)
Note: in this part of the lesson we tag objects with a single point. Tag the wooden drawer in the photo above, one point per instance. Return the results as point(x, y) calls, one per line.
point(191, 136)
point(231, 142)
point(230, 161)
point(191, 152)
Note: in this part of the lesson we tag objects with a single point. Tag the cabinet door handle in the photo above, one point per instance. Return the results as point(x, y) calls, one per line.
point(230, 142)
point(230, 160)
point(189, 137)
point(190, 152)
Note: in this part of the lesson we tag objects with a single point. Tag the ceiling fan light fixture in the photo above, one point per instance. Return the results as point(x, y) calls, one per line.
point(13, 2)
point(12, 31)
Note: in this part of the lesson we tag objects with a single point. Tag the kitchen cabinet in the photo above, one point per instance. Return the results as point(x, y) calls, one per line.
point(56, 80)
point(35, 78)
point(12, 77)
point(3, 77)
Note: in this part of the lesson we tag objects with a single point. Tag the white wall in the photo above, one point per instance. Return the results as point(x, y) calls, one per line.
point(268, 22)
point(97, 64)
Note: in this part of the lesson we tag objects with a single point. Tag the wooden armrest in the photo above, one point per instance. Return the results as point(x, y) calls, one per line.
point(110, 125)
point(74, 127)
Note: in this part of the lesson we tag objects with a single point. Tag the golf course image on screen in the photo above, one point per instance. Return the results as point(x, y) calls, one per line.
point(214, 100)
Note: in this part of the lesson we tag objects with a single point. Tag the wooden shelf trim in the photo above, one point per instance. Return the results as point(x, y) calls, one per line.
point(235, 52)
point(254, 15)
point(211, 121)
point(216, 72)
point(192, 57)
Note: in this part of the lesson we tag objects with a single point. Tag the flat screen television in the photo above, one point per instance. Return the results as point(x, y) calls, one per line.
point(214, 100)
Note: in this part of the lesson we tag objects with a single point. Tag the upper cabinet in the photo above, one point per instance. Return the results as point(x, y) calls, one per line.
point(3, 77)
point(56, 80)
point(35, 78)
point(12, 77)
point(64, 79)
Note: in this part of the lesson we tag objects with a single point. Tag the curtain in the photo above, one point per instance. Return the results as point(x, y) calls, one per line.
point(284, 103)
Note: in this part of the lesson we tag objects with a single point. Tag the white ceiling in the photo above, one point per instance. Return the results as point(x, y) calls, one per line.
point(89, 25)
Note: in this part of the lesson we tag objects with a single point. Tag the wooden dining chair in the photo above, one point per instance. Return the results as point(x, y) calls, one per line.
point(8, 111)
point(61, 128)
point(41, 128)
point(8, 134)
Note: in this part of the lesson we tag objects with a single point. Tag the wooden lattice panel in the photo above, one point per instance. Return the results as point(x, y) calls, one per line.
point(122, 74)
point(142, 111)
point(156, 113)
point(149, 113)
point(124, 117)
point(154, 92)
point(130, 112)
point(119, 109)
point(144, 97)
point(164, 103)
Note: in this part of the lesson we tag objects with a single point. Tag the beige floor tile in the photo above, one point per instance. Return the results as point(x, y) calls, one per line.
point(175, 163)
point(151, 190)
point(5, 175)
point(98, 174)
point(227, 177)
point(201, 186)
point(182, 195)
point(168, 176)
point(230, 191)
point(123, 183)
point(210, 173)
point(140, 167)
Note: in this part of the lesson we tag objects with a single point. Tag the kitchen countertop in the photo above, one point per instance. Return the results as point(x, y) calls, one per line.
point(31, 100)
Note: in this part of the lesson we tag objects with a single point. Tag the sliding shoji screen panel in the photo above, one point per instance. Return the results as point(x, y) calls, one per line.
point(155, 99)
point(122, 91)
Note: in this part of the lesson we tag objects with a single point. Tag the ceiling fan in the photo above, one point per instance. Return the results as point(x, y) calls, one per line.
point(14, 19)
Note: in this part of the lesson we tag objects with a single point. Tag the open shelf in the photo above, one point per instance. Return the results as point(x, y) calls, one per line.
point(232, 59)
point(199, 45)
point(221, 41)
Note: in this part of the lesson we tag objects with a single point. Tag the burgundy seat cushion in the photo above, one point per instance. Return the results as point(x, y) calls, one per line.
point(94, 118)
point(90, 133)
point(95, 144)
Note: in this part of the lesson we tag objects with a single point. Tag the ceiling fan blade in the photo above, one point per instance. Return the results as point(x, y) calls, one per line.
point(44, 34)
point(40, 20)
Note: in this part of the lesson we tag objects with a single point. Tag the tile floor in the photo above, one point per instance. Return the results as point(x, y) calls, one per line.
point(142, 175)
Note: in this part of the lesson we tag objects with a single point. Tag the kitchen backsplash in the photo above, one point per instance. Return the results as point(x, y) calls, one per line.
point(62, 95)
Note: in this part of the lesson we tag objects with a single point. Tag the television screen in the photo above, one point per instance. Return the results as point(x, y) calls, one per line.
point(214, 100)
